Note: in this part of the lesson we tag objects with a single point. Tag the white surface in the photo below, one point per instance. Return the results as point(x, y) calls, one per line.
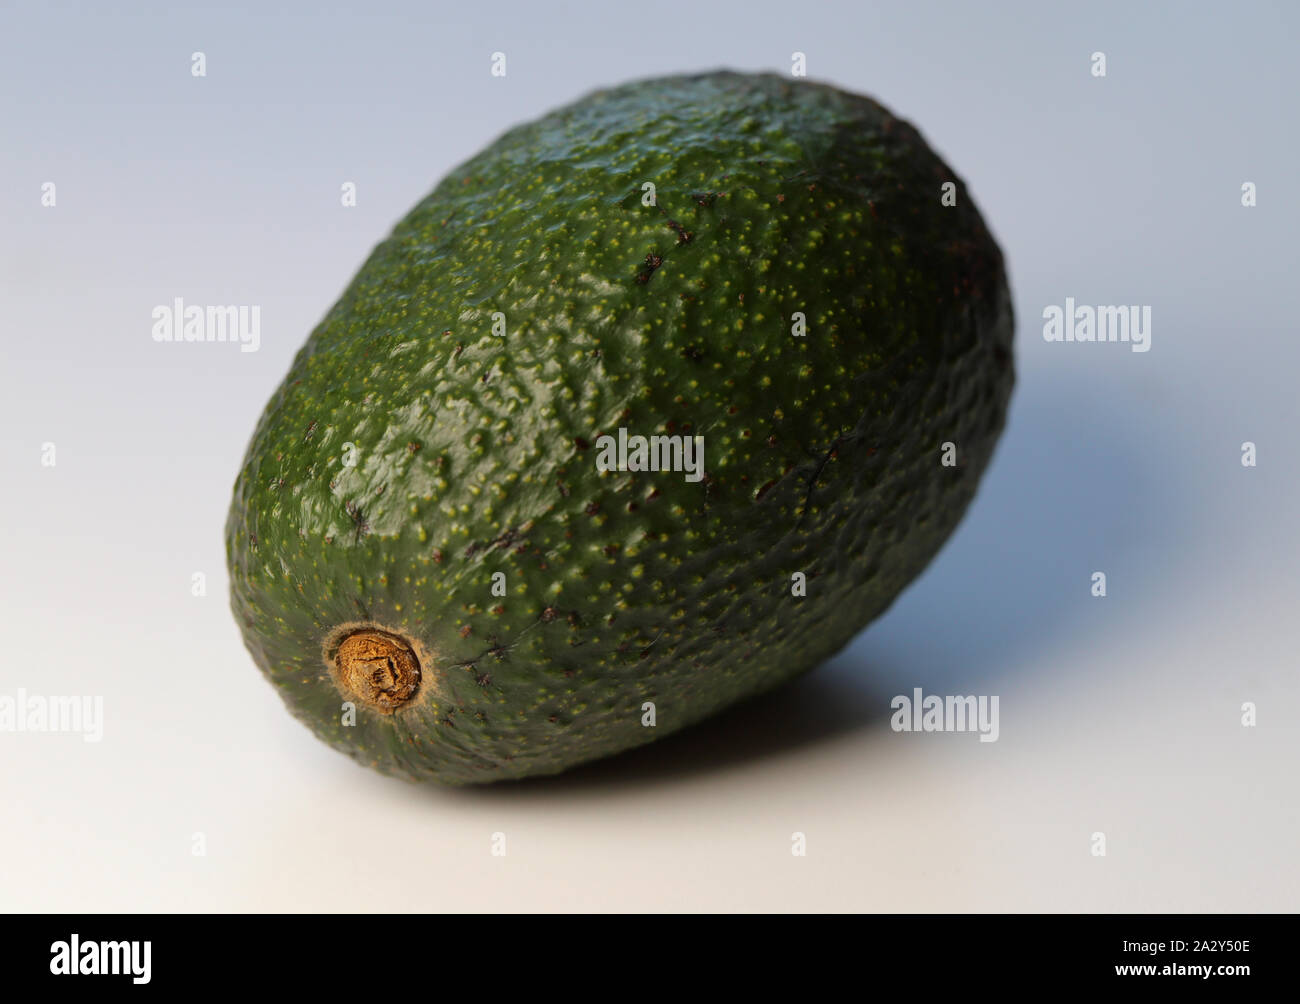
point(1119, 715)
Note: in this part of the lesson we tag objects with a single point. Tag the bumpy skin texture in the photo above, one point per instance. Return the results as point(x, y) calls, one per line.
point(476, 454)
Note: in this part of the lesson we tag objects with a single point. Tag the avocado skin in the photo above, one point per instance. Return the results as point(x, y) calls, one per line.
point(476, 454)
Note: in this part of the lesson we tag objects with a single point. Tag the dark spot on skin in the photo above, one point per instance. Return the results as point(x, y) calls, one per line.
point(704, 199)
point(592, 508)
point(437, 555)
point(464, 632)
point(573, 619)
point(498, 609)
point(505, 539)
point(611, 550)
point(693, 353)
point(359, 520)
point(684, 236)
point(581, 443)
point(412, 447)
point(310, 429)
point(483, 680)
point(549, 614)
point(553, 719)
point(652, 262)
point(564, 489)
point(764, 490)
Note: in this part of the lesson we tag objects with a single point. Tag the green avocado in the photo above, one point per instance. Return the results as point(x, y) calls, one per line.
point(648, 408)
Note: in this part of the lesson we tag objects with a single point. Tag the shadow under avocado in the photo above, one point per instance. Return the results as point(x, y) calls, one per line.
point(1074, 488)
point(832, 700)
point(1085, 480)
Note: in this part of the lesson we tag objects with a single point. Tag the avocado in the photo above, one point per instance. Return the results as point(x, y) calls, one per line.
point(649, 407)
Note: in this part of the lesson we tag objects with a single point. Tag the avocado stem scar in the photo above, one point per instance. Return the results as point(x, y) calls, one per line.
point(378, 668)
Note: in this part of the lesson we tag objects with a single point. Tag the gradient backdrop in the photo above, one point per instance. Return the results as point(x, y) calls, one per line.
point(1120, 715)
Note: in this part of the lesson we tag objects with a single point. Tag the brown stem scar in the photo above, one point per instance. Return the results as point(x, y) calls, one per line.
point(378, 668)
